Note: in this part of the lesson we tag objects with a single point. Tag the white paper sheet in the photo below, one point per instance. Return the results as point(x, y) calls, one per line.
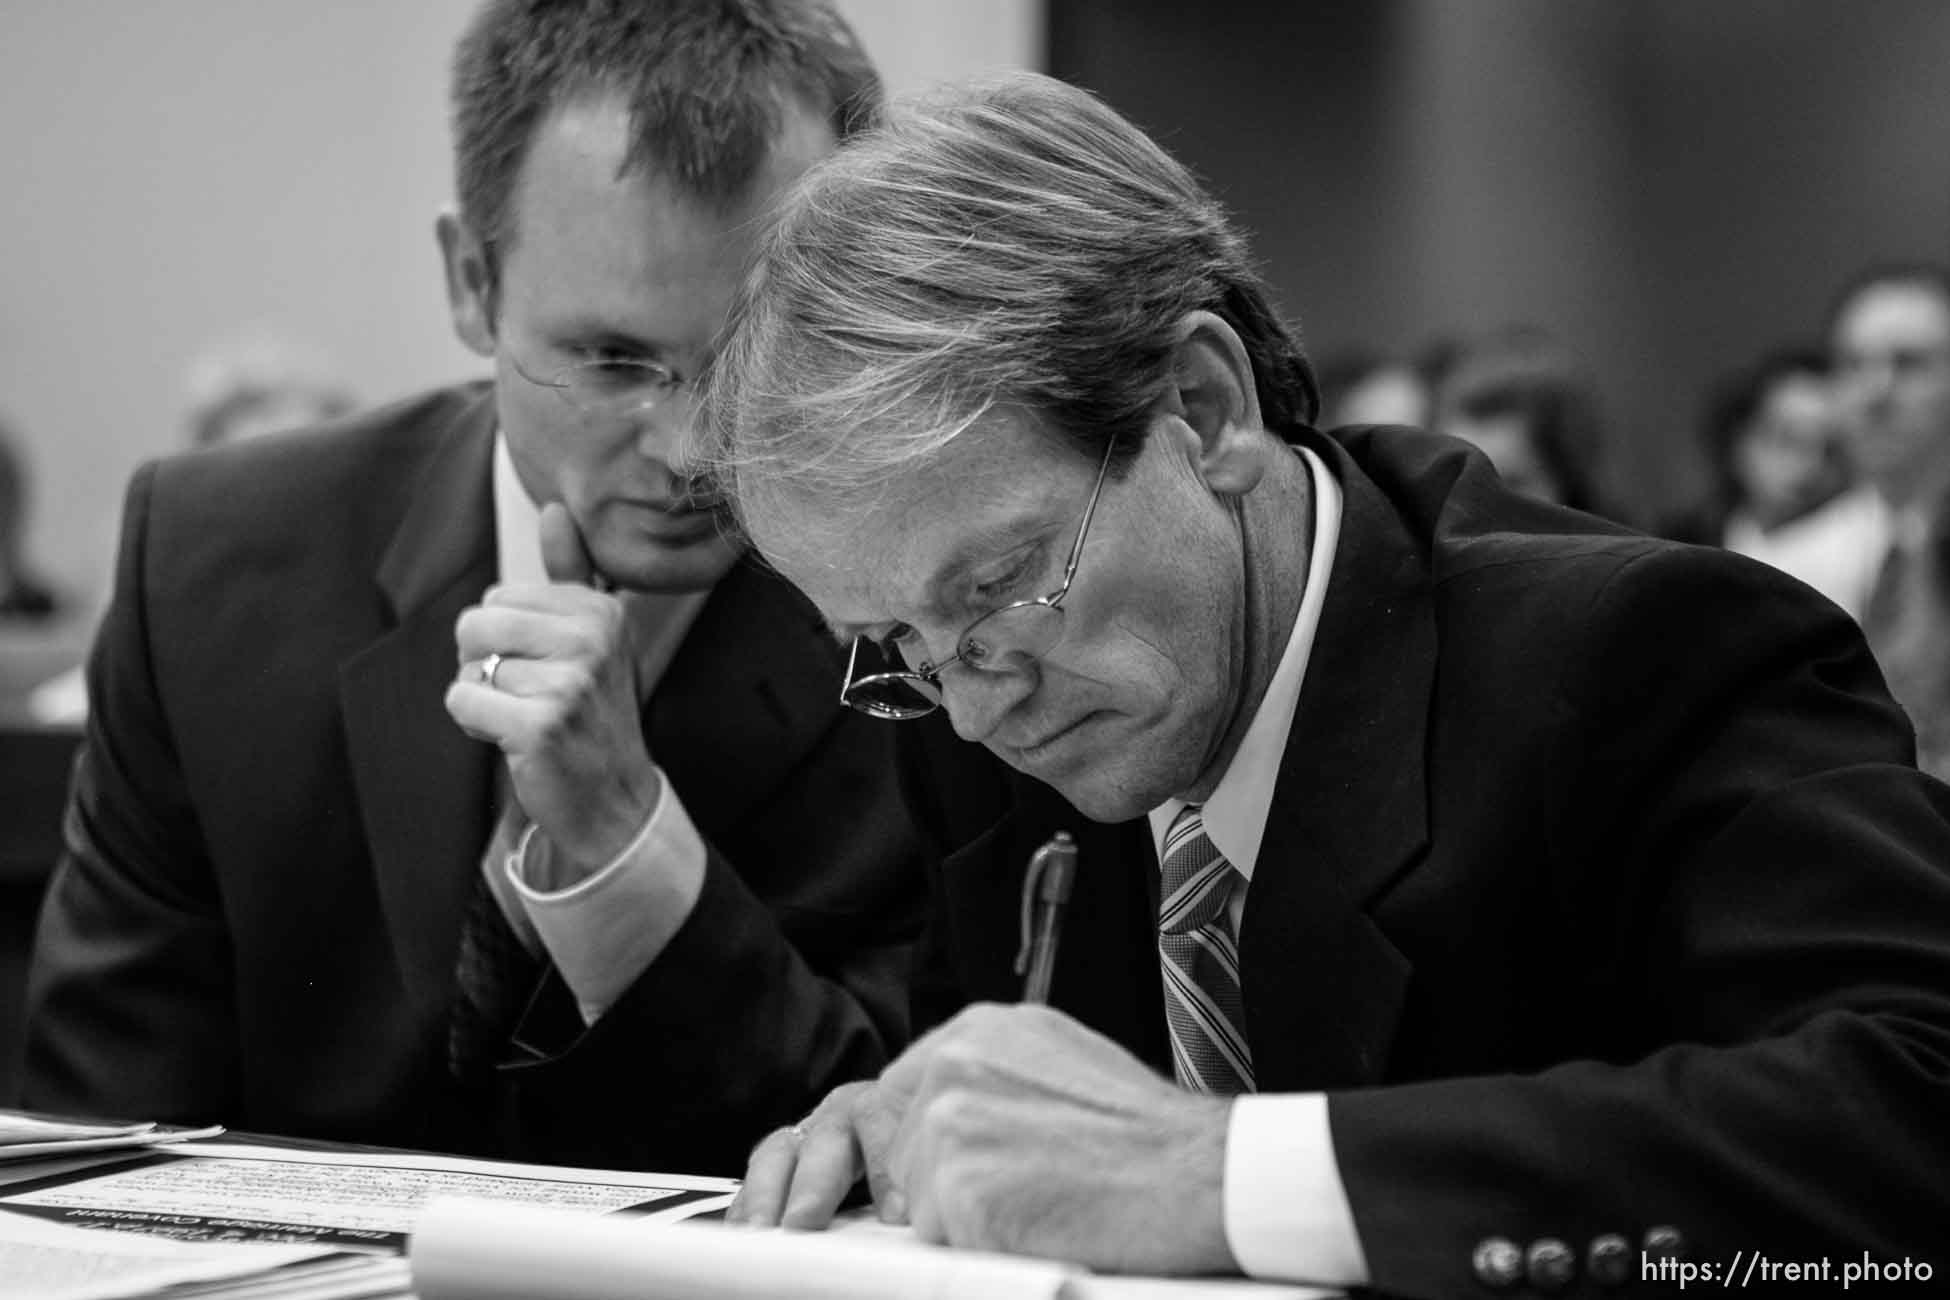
point(18, 1128)
point(475, 1251)
point(49, 1261)
point(239, 1191)
point(30, 1137)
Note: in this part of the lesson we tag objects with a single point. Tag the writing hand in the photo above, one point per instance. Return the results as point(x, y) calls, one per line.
point(1015, 1128)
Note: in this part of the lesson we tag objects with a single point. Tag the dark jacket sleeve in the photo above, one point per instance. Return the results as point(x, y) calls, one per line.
point(188, 971)
point(129, 1005)
point(1755, 890)
point(789, 978)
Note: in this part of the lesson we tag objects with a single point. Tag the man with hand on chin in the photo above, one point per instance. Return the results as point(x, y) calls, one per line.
point(673, 902)
point(1469, 893)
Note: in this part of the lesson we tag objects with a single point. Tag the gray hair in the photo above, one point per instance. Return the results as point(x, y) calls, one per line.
point(1005, 243)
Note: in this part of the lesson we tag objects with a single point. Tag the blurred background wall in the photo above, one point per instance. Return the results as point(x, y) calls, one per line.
point(185, 174)
point(1670, 185)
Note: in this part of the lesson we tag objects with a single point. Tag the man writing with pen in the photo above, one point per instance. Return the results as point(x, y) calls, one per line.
point(1468, 891)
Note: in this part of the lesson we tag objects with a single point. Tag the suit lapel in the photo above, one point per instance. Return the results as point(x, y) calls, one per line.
point(1324, 987)
point(755, 683)
point(425, 789)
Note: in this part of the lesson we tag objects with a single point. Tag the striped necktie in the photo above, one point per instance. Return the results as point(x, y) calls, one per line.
point(1200, 956)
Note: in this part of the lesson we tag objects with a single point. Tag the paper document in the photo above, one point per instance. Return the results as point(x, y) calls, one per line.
point(32, 1137)
point(370, 1201)
point(16, 1128)
point(48, 1261)
point(467, 1250)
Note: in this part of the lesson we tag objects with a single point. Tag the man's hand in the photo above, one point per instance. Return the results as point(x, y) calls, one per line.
point(563, 704)
point(798, 1176)
point(1014, 1129)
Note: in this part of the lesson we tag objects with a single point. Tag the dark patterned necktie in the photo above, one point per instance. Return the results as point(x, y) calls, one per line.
point(494, 973)
point(1200, 957)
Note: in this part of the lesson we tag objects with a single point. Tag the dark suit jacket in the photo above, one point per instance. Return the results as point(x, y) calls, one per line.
point(275, 828)
point(1598, 893)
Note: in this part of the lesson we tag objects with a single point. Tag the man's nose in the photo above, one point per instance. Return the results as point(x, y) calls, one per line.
point(978, 700)
point(663, 436)
point(663, 428)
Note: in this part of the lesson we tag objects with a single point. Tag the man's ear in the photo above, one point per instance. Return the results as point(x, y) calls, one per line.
point(1213, 393)
point(470, 282)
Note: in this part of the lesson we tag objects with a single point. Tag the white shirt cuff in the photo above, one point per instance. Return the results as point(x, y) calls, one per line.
point(1286, 1212)
point(604, 931)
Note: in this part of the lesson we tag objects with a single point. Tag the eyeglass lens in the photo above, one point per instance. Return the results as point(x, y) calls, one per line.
point(609, 384)
point(894, 695)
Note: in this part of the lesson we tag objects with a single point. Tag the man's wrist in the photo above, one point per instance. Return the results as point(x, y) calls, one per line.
point(606, 928)
point(550, 865)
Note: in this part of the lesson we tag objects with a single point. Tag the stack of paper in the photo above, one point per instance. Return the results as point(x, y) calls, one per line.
point(50, 1261)
point(34, 1137)
point(361, 1200)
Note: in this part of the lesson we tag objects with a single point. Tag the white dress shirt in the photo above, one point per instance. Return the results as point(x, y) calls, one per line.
point(1836, 548)
point(1286, 1211)
point(592, 930)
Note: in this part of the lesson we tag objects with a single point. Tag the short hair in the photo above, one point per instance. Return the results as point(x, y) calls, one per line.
point(1003, 243)
point(707, 83)
point(1737, 399)
point(1932, 277)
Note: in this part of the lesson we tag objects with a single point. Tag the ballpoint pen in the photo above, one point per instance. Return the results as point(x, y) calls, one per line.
point(1045, 893)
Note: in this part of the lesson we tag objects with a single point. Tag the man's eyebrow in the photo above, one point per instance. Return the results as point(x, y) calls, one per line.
point(984, 544)
point(586, 333)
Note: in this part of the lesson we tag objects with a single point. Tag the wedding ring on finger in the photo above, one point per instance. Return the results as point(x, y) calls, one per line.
point(489, 667)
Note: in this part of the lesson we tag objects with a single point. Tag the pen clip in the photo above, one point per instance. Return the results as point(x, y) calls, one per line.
point(1060, 852)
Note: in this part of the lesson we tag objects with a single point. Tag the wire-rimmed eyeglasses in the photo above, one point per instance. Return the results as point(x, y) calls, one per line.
point(609, 386)
point(1027, 627)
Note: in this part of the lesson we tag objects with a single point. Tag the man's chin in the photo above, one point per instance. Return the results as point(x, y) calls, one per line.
point(1100, 795)
point(666, 568)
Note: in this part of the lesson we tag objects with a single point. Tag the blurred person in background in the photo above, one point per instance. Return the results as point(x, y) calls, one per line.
point(1362, 387)
point(1889, 332)
point(1522, 397)
point(1783, 481)
point(261, 384)
point(22, 595)
point(670, 900)
point(1919, 651)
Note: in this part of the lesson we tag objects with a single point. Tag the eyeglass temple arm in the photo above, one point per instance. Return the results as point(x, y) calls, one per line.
point(1083, 529)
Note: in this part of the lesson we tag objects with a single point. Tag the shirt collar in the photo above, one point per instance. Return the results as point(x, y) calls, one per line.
point(517, 522)
point(1235, 815)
